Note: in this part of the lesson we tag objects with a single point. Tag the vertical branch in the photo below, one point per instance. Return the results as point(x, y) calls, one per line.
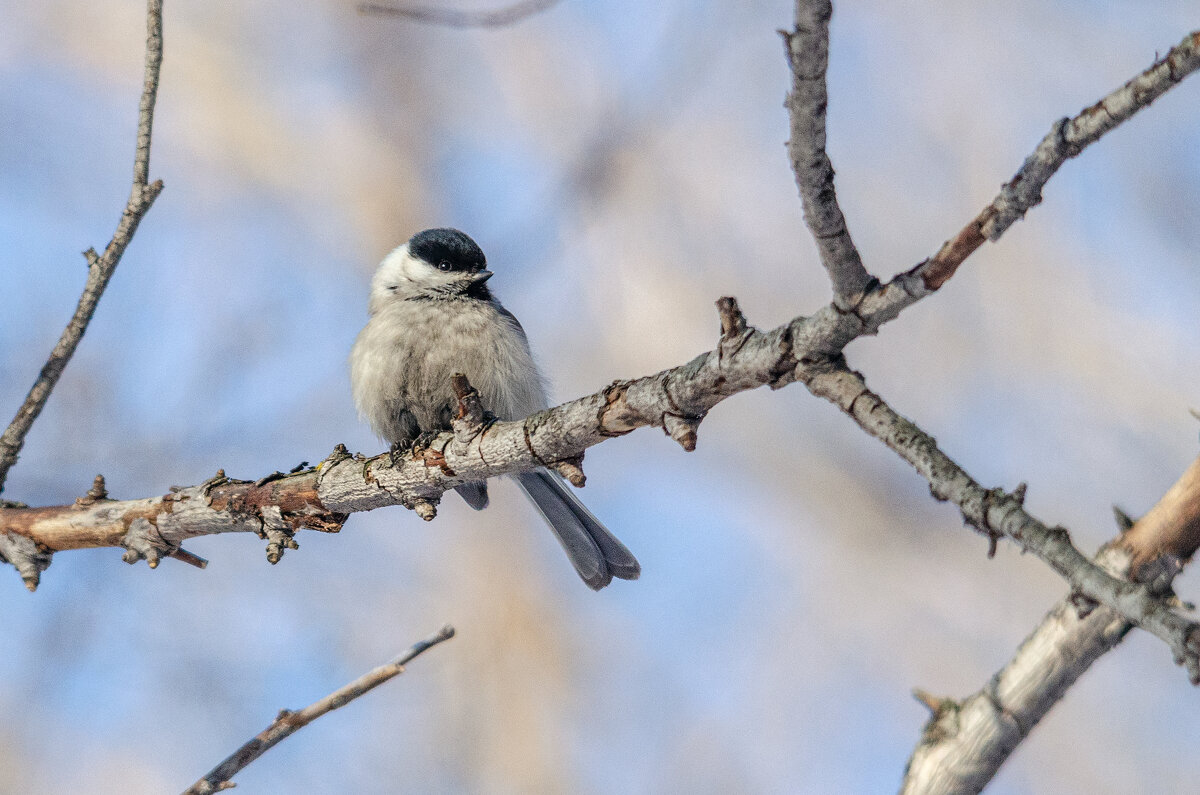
point(100, 267)
point(807, 49)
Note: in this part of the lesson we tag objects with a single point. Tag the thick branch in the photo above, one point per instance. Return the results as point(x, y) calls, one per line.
point(807, 50)
point(278, 505)
point(996, 513)
point(320, 498)
point(288, 722)
point(964, 744)
point(100, 268)
point(498, 18)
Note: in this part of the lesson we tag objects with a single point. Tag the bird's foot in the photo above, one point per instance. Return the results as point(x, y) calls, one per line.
point(423, 441)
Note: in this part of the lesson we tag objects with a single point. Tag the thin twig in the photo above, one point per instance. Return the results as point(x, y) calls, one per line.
point(100, 268)
point(452, 18)
point(807, 49)
point(288, 722)
point(1066, 139)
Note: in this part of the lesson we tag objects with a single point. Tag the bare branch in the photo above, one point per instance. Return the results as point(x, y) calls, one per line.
point(994, 512)
point(288, 722)
point(1066, 139)
point(497, 18)
point(321, 498)
point(807, 49)
point(964, 754)
point(100, 267)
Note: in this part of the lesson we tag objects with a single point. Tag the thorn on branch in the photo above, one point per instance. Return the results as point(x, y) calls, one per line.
point(734, 331)
point(681, 429)
point(936, 706)
point(470, 419)
point(572, 470)
point(1179, 604)
point(278, 534)
point(98, 491)
point(733, 322)
point(218, 479)
point(425, 509)
point(1124, 520)
point(143, 542)
point(26, 556)
point(93, 259)
point(95, 494)
point(340, 453)
point(183, 555)
point(276, 475)
point(277, 541)
point(1019, 492)
point(1082, 604)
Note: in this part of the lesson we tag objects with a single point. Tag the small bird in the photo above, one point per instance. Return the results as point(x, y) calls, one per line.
point(431, 316)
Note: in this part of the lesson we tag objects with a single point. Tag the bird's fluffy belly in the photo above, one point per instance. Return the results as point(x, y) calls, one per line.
point(403, 360)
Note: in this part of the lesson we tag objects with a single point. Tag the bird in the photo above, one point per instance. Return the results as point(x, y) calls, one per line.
point(431, 315)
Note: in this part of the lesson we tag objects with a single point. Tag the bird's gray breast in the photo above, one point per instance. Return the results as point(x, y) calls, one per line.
point(403, 359)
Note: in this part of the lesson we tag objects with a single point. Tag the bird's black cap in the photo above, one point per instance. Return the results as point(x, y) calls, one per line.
point(436, 246)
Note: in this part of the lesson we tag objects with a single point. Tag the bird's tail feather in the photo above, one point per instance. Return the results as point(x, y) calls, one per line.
point(596, 553)
point(475, 494)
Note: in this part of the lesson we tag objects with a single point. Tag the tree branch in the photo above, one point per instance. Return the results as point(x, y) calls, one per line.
point(100, 267)
point(1066, 139)
point(288, 722)
point(964, 744)
point(807, 49)
point(996, 513)
point(498, 18)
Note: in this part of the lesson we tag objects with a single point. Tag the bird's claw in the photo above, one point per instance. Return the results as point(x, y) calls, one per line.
point(423, 441)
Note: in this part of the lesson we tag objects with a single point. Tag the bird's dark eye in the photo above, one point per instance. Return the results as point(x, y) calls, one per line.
point(445, 265)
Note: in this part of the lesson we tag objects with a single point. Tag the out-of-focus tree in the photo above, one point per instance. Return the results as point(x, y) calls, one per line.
point(654, 204)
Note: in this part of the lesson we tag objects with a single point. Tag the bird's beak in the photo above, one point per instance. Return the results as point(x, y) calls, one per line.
point(481, 277)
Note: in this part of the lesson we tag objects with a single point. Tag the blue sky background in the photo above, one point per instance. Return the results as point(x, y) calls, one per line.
point(622, 164)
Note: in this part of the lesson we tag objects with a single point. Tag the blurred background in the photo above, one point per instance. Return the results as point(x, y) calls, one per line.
point(622, 164)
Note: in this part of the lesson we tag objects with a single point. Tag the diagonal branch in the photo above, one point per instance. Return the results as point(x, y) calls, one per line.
point(497, 18)
point(1066, 139)
point(997, 514)
point(288, 722)
point(964, 744)
point(100, 267)
point(807, 49)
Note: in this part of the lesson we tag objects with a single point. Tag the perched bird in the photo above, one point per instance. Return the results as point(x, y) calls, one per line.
point(432, 315)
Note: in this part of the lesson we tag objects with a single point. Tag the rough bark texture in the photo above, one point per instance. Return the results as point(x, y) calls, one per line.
point(965, 743)
point(807, 49)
